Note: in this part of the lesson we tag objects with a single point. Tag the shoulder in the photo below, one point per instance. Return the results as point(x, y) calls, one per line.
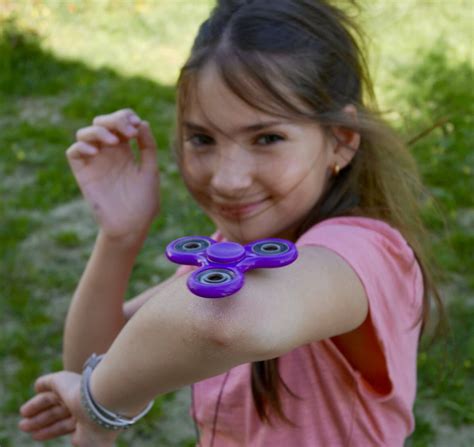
point(383, 348)
point(353, 231)
point(377, 252)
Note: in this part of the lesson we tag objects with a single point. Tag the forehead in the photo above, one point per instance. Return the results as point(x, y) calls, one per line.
point(212, 102)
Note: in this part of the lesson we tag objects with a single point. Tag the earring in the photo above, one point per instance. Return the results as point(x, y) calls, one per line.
point(335, 169)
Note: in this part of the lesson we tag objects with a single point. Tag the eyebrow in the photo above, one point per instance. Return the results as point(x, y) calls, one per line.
point(246, 129)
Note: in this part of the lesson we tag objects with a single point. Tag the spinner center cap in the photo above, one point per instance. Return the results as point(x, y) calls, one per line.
point(225, 252)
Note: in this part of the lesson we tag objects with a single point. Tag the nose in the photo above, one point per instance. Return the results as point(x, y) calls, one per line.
point(233, 173)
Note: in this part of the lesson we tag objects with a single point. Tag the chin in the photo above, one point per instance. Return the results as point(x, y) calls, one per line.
point(243, 235)
point(248, 234)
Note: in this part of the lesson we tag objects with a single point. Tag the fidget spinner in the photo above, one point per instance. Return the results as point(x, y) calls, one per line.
point(223, 264)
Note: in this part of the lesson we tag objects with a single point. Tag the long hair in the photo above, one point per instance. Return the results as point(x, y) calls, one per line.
point(303, 59)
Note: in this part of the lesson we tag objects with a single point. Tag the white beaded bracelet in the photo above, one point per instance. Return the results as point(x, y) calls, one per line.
point(100, 415)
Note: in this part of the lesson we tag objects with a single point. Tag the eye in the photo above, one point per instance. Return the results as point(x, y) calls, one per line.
point(200, 140)
point(268, 139)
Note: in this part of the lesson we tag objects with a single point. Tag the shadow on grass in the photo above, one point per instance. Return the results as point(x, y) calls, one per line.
point(439, 90)
point(31, 77)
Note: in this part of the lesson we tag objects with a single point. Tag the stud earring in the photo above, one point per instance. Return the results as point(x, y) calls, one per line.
point(335, 169)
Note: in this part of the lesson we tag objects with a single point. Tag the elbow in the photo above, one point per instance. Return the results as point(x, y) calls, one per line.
point(72, 364)
point(235, 341)
point(224, 327)
point(216, 328)
point(221, 326)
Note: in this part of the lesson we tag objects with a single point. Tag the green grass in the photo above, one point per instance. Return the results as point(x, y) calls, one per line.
point(62, 63)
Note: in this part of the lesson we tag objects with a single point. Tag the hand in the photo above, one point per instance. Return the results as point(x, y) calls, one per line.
point(56, 410)
point(123, 193)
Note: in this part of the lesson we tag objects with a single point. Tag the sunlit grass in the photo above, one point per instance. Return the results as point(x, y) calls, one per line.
point(145, 38)
point(399, 31)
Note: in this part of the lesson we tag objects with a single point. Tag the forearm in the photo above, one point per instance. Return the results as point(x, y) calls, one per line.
point(174, 340)
point(95, 315)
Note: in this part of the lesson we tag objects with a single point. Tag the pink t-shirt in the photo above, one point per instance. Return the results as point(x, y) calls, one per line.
point(337, 406)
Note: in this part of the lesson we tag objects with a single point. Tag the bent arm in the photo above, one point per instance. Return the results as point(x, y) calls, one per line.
point(177, 338)
point(131, 307)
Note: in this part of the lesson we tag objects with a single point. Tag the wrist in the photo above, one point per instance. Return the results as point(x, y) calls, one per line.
point(105, 417)
point(115, 397)
point(130, 243)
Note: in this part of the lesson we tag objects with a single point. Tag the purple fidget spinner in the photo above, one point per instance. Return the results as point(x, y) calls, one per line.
point(223, 264)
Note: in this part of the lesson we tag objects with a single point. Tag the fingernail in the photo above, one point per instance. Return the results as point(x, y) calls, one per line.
point(134, 119)
point(90, 150)
point(112, 139)
point(129, 130)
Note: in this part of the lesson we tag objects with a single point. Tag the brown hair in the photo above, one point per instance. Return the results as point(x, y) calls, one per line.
point(263, 50)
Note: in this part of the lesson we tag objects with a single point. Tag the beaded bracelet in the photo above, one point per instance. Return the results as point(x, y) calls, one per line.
point(100, 415)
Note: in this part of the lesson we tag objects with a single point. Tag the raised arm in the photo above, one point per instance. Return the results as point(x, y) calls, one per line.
point(123, 195)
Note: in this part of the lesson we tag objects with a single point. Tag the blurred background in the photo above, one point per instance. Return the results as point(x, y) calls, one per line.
point(62, 62)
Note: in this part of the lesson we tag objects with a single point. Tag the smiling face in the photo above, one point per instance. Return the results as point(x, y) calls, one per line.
point(256, 175)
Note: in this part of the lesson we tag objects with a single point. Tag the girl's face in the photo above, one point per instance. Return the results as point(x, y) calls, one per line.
point(256, 175)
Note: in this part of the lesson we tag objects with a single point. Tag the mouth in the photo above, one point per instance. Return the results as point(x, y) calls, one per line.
point(240, 210)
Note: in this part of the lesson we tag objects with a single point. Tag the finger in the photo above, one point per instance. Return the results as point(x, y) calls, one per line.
point(44, 419)
point(40, 402)
point(59, 382)
point(147, 145)
point(80, 150)
point(65, 384)
point(124, 122)
point(45, 383)
point(97, 134)
point(59, 428)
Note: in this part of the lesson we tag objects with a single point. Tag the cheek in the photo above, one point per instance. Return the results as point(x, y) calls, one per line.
point(195, 170)
point(302, 176)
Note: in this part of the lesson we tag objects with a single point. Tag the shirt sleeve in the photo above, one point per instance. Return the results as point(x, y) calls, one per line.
point(391, 277)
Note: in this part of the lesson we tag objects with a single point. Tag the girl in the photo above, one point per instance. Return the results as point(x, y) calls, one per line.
point(276, 136)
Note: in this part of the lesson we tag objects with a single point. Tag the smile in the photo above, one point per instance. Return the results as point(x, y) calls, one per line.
point(239, 210)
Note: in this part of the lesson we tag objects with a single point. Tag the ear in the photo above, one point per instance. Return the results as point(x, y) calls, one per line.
point(346, 141)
